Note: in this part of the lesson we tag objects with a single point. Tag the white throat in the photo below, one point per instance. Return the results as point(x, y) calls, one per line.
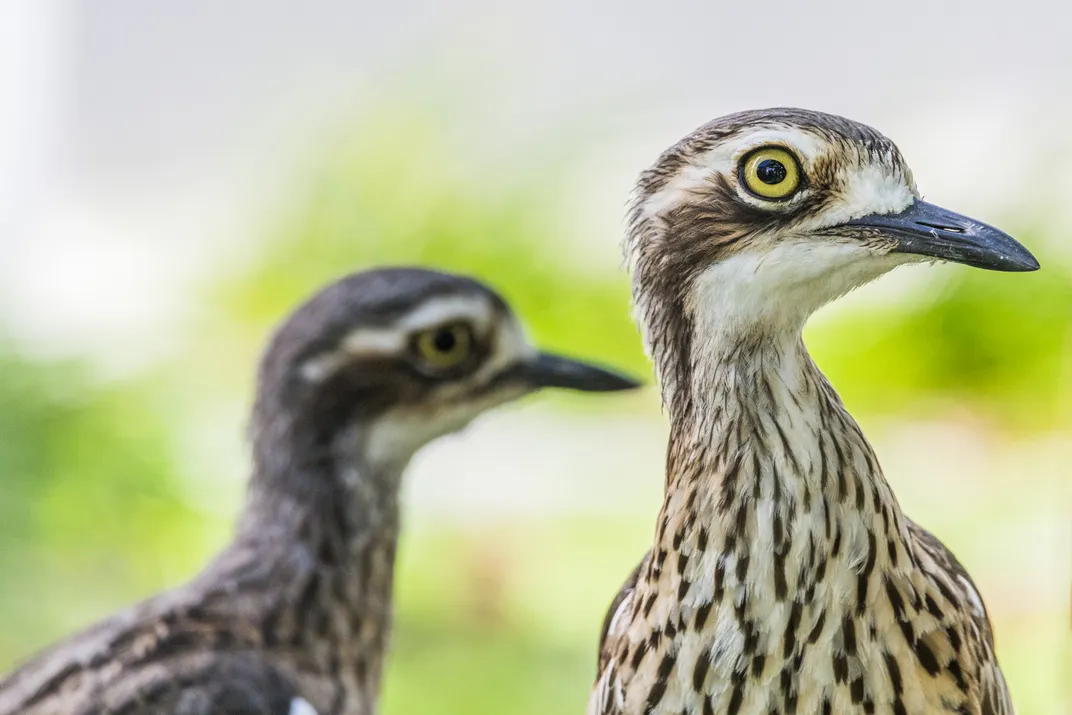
point(771, 293)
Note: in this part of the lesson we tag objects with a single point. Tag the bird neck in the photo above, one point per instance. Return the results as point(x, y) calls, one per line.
point(315, 553)
point(760, 398)
point(764, 458)
point(308, 487)
point(337, 513)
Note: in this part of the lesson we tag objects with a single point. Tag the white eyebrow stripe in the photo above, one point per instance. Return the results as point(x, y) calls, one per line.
point(804, 143)
point(374, 341)
point(363, 342)
point(385, 340)
point(474, 309)
point(320, 367)
point(689, 178)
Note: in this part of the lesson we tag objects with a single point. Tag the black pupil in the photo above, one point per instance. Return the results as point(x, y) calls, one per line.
point(771, 172)
point(444, 341)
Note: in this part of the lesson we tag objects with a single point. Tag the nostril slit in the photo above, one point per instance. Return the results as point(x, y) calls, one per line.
point(940, 227)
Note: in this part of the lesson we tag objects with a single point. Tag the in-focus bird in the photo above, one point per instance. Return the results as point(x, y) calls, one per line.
point(784, 577)
point(292, 618)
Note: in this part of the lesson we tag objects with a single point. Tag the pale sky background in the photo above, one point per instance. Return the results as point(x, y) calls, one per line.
point(140, 140)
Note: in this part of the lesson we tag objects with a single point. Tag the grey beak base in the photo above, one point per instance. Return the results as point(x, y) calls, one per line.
point(927, 230)
point(546, 370)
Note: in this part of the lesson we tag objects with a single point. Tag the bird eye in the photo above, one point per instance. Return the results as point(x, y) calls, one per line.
point(446, 346)
point(770, 173)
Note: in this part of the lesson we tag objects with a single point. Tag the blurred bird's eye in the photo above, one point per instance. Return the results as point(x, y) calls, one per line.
point(770, 173)
point(445, 346)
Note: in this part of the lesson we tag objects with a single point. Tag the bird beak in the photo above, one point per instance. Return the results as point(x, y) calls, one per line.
point(928, 230)
point(546, 370)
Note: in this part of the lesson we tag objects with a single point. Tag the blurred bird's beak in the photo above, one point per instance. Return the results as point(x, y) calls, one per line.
point(546, 370)
point(928, 230)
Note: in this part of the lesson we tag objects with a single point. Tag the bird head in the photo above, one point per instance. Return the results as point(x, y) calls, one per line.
point(394, 358)
point(756, 219)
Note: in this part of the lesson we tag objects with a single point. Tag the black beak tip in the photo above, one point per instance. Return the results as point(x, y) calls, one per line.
point(610, 381)
point(1024, 263)
point(1007, 256)
point(553, 371)
point(1000, 251)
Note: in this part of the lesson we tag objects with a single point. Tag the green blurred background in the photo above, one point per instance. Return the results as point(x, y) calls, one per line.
point(121, 454)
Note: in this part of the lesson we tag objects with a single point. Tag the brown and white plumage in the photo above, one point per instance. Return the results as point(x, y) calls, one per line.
point(292, 618)
point(784, 577)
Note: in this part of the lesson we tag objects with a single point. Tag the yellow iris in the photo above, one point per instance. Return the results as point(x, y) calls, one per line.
point(771, 173)
point(446, 346)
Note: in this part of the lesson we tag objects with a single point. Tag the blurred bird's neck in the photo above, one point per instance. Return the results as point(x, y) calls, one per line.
point(309, 485)
point(313, 560)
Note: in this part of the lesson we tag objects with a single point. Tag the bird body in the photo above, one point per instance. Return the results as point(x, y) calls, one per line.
point(297, 606)
point(293, 617)
point(784, 576)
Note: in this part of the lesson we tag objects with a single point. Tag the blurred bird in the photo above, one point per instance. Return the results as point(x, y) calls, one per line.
point(292, 617)
point(784, 577)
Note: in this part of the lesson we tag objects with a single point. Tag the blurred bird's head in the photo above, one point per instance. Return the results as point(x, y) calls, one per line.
point(390, 359)
point(755, 220)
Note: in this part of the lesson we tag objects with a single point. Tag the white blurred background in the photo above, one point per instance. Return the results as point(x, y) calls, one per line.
point(139, 141)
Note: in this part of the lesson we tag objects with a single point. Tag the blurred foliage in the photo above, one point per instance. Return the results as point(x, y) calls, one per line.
point(106, 489)
point(999, 345)
point(391, 194)
point(87, 496)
